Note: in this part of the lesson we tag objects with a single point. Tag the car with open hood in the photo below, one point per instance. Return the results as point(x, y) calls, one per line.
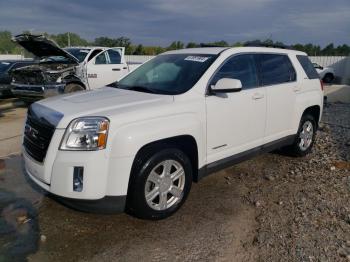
point(65, 70)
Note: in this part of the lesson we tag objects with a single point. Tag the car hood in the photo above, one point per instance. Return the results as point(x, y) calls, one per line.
point(42, 47)
point(107, 102)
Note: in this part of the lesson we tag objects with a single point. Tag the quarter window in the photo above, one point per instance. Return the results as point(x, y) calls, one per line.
point(308, 66)
point(275, 69)
point(240, 67)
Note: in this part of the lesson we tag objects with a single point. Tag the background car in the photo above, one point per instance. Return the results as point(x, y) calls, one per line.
point(5, 79)
point(65, 70)
point(325, 73)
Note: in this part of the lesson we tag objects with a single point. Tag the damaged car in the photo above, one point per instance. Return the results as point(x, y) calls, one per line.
point(65, 70)
point(5, 74)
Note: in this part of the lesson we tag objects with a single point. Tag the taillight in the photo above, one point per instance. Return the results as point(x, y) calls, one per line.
point(321, 84)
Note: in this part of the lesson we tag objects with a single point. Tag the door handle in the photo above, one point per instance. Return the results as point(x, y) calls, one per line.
point(115, 69)
point(257, 96)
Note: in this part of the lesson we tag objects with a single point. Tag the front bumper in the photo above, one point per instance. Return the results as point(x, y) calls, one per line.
point(105, 182)
point(37, 91)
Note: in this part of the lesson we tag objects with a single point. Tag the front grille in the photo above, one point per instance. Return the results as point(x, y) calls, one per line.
point(37, 136)
point(28, 88)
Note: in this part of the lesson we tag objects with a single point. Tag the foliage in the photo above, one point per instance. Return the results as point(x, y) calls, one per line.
point(73, 39)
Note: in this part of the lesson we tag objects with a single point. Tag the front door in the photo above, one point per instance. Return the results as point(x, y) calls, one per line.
point(106, 68)
point(236, 121)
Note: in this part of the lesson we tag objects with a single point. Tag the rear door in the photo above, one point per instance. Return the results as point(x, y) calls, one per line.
point(278, 76)
point(106, 68)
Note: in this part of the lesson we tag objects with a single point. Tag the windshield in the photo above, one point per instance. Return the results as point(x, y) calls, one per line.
point(168, 74)
point(79, 53)
point(4, 66)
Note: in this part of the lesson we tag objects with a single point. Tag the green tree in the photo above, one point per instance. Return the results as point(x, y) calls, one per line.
point(191, 45)
point(176, 45)
point(6, 45)
point(139, 50)
point(69, 39)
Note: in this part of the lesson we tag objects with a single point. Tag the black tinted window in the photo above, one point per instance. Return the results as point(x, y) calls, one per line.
point(307, 66)
point(93, 53)
point(240, 67)
point(275, 69)
point(80, 54)
point(114, 56)
point(4, 66)
point(101, 59)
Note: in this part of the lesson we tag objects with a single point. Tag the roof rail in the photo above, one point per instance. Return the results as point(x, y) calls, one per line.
point(260, 44)
point(210, 45)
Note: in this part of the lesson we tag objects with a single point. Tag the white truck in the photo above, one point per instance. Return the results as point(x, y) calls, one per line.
point(65, 70)
point(182, 115)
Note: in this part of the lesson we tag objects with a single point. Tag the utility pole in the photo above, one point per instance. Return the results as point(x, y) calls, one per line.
point(68, 39)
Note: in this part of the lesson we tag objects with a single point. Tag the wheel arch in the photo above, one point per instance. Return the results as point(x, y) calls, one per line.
point(314, 111)
point(185, 143)
point(74, 80)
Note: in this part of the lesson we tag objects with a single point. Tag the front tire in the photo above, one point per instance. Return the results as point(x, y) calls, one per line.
point(160, 183)
point(305, 137)
point(70, 88)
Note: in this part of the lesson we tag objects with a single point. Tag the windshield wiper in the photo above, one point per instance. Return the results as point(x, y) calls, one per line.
point(136, 88)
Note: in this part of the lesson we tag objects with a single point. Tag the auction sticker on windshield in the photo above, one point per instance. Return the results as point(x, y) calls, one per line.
point(200, 59)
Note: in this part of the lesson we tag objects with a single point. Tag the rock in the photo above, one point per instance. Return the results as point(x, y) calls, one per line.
point(332, 168)
point(22, 219)
point(43, 238)
point(269, 177)
point(258, 203)
point(344, 252)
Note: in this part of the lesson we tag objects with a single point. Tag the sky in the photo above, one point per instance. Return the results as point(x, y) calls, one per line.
point(159, 22)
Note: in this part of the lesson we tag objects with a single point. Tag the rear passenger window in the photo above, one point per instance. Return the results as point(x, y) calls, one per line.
point(275, 69)
point(308, 66)
point(240, 67)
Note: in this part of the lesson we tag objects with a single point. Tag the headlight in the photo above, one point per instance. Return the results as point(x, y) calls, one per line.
point(86, 134)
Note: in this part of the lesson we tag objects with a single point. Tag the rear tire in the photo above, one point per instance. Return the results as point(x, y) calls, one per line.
point(70, 88)
point(159, 184)
point(305, 137)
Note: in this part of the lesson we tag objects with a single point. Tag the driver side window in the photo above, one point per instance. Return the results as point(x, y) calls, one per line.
point(241, 67)
point(101, 59)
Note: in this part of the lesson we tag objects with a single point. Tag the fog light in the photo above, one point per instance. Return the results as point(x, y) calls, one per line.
point(78, 178)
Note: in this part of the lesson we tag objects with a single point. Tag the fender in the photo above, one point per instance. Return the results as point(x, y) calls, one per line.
point(129, 139)
point(304, 101)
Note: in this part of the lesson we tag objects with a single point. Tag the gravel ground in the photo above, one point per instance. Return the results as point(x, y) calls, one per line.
point(271, 208)
point(303, 210)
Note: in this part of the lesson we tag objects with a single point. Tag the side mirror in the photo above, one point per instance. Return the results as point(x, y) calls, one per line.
point(226, 85)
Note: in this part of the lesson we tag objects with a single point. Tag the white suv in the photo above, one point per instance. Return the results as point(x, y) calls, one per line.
point(177, 118)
